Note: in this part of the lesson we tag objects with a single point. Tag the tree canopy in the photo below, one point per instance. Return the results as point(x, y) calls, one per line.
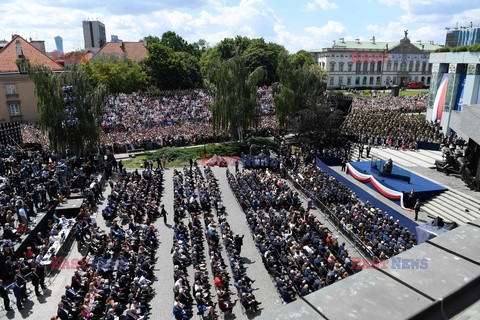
point(300, 97)
point(118, 77)
point(235, 108)
point(172, 63)
point(72, 126)
point(257, 53)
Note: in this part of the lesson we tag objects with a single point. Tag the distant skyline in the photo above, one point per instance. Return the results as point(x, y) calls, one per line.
point(301, 24)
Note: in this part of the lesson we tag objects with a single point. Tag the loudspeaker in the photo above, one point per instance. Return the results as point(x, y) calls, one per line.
point(438, 222)
point(10, 133)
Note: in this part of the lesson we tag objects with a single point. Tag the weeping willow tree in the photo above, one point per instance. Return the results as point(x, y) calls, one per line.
point(73, 127)
point(235, 108)
point(300, 90)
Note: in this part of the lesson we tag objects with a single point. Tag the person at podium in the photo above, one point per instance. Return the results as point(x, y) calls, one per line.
point(387, 167)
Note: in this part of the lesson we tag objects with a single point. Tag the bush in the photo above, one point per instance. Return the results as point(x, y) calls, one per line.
point(460, 49)
point(474, 47)
point(444, 49)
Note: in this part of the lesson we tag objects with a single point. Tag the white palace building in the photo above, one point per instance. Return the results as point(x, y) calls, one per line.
point(372, 64)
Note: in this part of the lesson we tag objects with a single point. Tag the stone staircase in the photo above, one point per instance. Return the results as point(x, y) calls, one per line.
point(453, 205)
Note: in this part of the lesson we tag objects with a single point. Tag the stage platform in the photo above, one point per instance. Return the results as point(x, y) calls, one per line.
point(393, 188)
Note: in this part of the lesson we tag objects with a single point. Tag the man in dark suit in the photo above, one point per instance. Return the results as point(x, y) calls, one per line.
point(4, 295)
point(62, 313)
point(22, 283)
point(41, 274)
point(17, 291)
point(35, 281)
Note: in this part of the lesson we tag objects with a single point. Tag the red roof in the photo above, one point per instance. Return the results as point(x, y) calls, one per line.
point(9, 57)
point(136, 51)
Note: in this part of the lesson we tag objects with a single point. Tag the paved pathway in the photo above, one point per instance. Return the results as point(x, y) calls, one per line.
point(266, 293)
point(162, 303)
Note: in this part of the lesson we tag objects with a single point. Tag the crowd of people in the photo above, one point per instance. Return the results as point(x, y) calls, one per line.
point(34, 181)
point(379, 232)
point(196, 195)
point(390, 128)
point(300, 254)
point(404, 104)
point(116, 276)
point(233, 246)
point(152, 121)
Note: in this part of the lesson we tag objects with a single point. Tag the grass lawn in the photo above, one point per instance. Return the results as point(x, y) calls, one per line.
point(412, 92)
point(180, 156)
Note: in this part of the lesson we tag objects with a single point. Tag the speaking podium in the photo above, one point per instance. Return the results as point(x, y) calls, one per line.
point(385, 168)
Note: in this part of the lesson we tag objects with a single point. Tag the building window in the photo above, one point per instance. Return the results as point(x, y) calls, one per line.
point(371, 81)
point(340, 65)
point(424, 66)
point(357, 81)
point(410, 66)
point(22, 68)
point(14, 108)
point(378, 81)
point(331, 81)
point(332, 66)
point(417, 66)
point(349, 81)
point(340, 81)
point(365, 67)
point(349, 66)
point(389, 65)
point(429, 67)
point(416, 79)
point(388, 81)
point(403, 66)
point(364, 82)
point(358, 67)
point(379, 66)
point(10, 88)
point(395, 66)
point(428, 80)
point(372, 67)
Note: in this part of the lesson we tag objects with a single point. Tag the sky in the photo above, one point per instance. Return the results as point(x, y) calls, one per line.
point(296, 24)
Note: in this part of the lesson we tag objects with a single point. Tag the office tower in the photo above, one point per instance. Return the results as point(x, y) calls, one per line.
point(59, 44)
point(94, 35)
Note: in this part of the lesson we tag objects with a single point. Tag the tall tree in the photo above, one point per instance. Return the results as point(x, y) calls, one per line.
point(74, 125)
point(235, 108)
point(300, 98)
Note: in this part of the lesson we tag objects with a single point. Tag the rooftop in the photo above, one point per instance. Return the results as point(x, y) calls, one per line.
point(375, 45)
point(136, 51)
point(9, 56)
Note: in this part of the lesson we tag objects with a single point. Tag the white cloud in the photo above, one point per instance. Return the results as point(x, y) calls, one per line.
point(314, 37)
point(322, 4)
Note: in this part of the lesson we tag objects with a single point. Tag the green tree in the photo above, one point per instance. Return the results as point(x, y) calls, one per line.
point(235, 108)
point(300, 58)
point(261, 54)
point(257, 53)
point(78, 137)
point(300, 98)
point(118, 77)
point(209, 61)
point(166, 69)
point(193, 70)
